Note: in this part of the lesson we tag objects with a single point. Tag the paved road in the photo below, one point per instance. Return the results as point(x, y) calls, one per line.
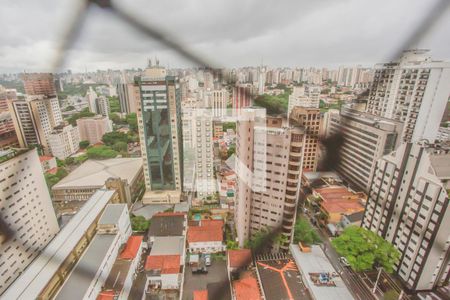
point(350, 278)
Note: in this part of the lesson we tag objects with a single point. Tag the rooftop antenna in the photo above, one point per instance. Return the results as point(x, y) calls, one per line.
point(149, 62)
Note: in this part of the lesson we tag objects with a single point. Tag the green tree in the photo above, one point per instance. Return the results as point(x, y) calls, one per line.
point(232, 245)
point(120, 147)
point(365, 250)
point(303, 232)
point(81, 158)
point(391, 295)
point(69, 161)
point(132, 122)
point(101, 152)
point(229, 125)
point(139, 223)
point(84, 113)
point(257, 240)
point(114, 104)
point(111, 138)
point(60, 163)
point(84, 144)
point(116, 119)
point(231, 151)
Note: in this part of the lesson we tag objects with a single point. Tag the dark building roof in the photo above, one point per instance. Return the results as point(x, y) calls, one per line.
point(355, 217)
point(167, 224)
point(219, 291)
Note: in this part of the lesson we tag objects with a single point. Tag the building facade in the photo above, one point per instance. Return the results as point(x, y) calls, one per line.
point(408, 206)
point(92, 129)
point(26, 210)
point(268, 168)
point(159, 123)
point(39, 84)
point(64, 141)
point(128, 96)
point(413, 90)
point(365, 139)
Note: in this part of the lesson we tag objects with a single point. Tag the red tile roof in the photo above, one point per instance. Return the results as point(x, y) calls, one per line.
point(167, 264)
point(246, 288)
point(169, 214)
point(45, 158)
point(201, 295)
point(206, 231)
point(132, 247)
point(339, 200)
point(106, 295)
point(52, 171)
point(239, 258)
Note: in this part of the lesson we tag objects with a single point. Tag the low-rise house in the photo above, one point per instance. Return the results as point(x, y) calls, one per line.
point(352, 219)
point(164, 271)
point(241, 273)
point(47, 163)
point(167, 224)
point(206, 236)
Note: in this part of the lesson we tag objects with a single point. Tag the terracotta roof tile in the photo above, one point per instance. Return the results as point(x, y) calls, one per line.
point(247, 288)
point(132, 247)
point(206, 231)
point(167, 264)
point(201, 295)
point(239, 258)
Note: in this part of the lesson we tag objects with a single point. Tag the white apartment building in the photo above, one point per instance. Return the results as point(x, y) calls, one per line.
point(408, 206)
point(91, 97)
point(268, 168)
point(365, 139)
point(102, 105)
point(27, 211)
point(64, 141)
point(308, 96)
point(217, 100)
point(413, 90)
point(34, 119)
point(92, 129)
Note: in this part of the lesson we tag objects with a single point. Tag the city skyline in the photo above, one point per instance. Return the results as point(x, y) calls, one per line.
point(232, 35)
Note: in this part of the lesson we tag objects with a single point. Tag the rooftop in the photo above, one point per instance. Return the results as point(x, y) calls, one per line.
point(117, 276)
point(355, 217)
point(441, 165)
point(280, 278)
point(316, 262)
point(206, 231)
point(163, 264)
point(201, 295)
point(246, 288)
point(167, 224)
point(132, 247)
point(94, 173)
point(45, 158)
point(239, 258)
point(338, 199)
point(168, 245)
point(34, 279)
point(112, 213)
point(80, 279)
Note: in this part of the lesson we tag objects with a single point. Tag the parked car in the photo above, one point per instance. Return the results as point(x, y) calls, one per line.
point(344, 261)
point(208, 259)
point(200, 271)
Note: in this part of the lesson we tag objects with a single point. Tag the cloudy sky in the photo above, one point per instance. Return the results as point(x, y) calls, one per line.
point(228, 33)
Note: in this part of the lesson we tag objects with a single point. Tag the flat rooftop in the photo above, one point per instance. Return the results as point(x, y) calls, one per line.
point(37, 275)
point(117, 276)
point(316, 262)
point(167, 224)
point(168, 245)
point(112, 213)
point(94, 173)
point(80, 279)
point(280, 278)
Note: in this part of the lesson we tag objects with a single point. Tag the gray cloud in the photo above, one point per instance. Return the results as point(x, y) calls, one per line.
point(230, 33)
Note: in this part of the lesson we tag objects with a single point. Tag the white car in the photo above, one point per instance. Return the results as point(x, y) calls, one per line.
point(208, 259)
point(344, 261)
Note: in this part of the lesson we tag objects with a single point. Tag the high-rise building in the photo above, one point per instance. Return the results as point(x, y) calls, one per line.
point(92, 129)
point(242, 97)
point(366, 138)
point(408, 206)
point(5, 95)
point(102, 106)
point(64, 141)
point(261, 79)
point(217, 100)
point(8, 136)
point(26, 210)
point(128, 96)
point(305, 97)
point(39, 84)
point(34, 119)
point(91, 97)
point(268, 168)
point(414, 90)
point(311, 120)
point(159, 117)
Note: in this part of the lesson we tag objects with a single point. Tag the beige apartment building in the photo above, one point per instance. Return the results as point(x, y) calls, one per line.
point(311, 120)
point(64, 141)
point(269, 167)
point(92, 129)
